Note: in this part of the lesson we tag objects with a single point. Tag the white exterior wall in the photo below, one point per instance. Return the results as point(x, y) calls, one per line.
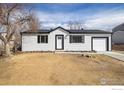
point(29, 42)
point(86, 46)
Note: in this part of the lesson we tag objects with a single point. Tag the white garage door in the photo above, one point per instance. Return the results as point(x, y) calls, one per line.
point(100, 44)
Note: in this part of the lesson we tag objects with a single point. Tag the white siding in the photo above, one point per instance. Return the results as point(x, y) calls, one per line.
point(29, 42)
point(78, 46)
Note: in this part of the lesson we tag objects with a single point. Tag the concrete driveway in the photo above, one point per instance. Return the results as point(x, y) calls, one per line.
point(116, 55)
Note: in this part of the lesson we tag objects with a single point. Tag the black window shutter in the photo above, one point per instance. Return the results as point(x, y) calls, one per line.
point(70, 39)
point(46, 38)
point(38, 39)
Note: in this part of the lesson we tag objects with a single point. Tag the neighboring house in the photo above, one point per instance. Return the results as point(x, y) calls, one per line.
point(118, 37)
point(66, 40)
point(118, 34)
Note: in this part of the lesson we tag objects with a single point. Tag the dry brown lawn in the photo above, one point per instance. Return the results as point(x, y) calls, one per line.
point(60, 69)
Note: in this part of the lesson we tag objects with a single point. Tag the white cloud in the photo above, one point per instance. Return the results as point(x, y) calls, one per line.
point(58, 17)
point(105, 20)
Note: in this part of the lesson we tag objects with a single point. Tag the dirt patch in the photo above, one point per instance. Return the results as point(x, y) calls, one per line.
point(61, 69)
point(118, 47)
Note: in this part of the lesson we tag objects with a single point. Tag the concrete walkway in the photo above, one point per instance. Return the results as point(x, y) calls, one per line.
point(122, 52)
point(115, 55)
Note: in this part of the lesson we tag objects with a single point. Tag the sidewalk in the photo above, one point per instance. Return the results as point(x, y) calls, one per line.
point(115, 55)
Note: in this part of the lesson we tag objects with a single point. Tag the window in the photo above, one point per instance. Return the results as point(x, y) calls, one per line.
point(59, 37)
point(42, 39)
point(76, 38)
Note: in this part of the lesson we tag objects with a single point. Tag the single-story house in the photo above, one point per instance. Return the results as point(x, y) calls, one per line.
point(60, 39)
point(118, 34)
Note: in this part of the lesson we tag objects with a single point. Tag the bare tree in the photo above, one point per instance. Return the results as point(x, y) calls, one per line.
point(74, 25)
point(34, 23)
point(13, 19)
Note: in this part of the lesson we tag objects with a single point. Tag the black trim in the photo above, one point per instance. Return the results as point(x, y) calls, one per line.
point(80, 31)
point(70, 38)
point(35, 33)
point(83, 32)
point(62, 42)
point(107, 38)
point(38, 39)
point(60, 28)
point(86, 32)
point(46, 38)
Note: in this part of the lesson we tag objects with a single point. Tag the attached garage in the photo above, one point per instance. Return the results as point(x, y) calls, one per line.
point(100, 43)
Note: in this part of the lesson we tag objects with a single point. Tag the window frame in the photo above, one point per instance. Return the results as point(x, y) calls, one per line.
point(82, 38)
point(39, 39)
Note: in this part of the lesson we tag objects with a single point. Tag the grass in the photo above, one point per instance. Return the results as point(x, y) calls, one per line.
point(60, 69)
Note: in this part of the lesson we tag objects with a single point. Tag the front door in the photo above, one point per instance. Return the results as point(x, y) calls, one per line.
point(59, 42)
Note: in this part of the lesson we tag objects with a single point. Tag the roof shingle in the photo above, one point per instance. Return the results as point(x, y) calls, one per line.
point(70, 31)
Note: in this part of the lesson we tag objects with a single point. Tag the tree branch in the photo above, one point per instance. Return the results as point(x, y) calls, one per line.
point(9, 11)
point(2, 38)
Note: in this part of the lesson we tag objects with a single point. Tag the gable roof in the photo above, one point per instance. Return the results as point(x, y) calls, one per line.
point(59, 27)
point(44, 31)
point(119, 27)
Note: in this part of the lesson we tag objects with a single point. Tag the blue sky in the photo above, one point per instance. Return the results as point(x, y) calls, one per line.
point(92, 16)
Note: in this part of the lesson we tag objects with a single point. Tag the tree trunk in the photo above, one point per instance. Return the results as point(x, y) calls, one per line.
point(7, 49)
